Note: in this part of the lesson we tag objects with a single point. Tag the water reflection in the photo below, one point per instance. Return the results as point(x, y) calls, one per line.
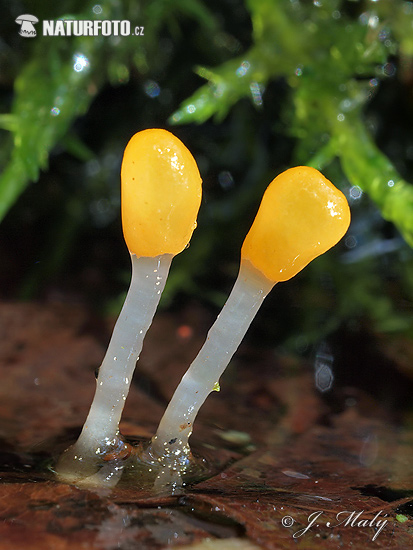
point(369, 450)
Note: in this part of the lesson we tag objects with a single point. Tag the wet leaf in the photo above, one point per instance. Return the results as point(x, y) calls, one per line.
point(288, 467)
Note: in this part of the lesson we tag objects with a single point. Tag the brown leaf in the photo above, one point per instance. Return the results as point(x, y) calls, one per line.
point(274, 448)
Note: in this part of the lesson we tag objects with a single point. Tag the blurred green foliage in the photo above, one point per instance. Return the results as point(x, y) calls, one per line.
point(62, 76)
point(326, 83)
point(332, 64)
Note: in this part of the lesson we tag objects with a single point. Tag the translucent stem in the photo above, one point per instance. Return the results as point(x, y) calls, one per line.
point(101, 429)
point(224, 337)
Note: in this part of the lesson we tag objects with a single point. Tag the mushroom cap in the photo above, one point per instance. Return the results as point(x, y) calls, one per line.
point(161, 194)
point(301, 216)
point(27, 17)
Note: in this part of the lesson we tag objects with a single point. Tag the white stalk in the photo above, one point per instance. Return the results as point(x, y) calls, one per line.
point(224, 337)
point(101, 429)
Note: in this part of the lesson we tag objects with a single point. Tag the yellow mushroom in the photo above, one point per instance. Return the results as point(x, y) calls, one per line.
point(161, 195)
point(301, 216)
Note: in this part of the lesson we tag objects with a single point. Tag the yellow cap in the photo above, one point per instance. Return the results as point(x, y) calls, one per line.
point(301, 216)
point(161, 193)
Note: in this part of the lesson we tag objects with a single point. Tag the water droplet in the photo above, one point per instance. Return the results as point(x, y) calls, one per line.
point(151, 88)
point(243, 69)
point(355, 192)
point(324, 378)
point(323, 372)
point(373, 21)
point(389, 69)
point(350, 241)
point(256, 93)
point(80, 62)
point(225, 180)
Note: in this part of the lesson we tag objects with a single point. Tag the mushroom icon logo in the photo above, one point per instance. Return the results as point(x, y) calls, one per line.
point(27, 27)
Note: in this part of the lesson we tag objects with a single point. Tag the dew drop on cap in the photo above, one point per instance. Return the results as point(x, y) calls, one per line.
point(301, 216)
point(161, 194)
